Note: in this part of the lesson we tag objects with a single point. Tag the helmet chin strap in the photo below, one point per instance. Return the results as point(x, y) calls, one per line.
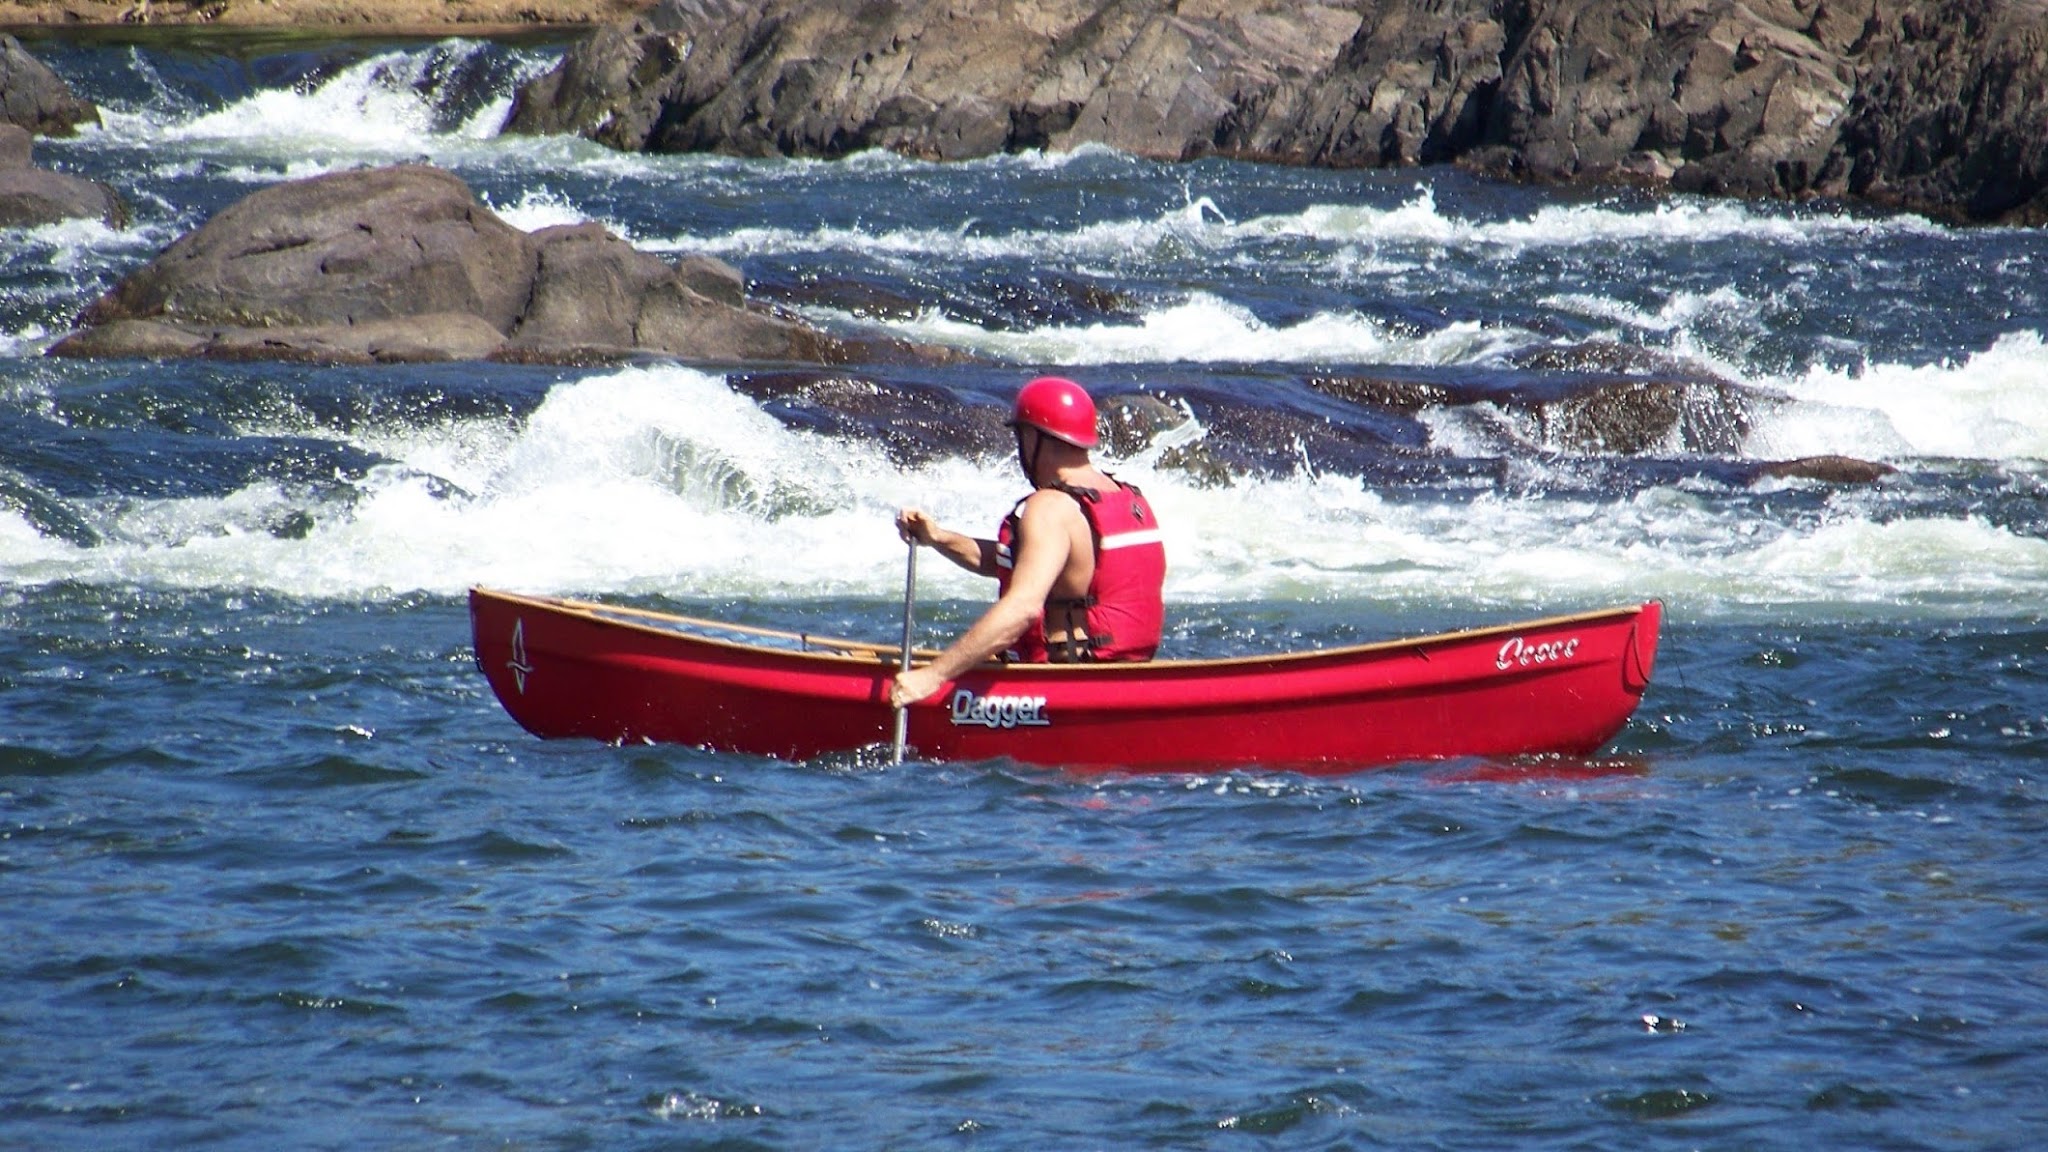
point(1030, 463)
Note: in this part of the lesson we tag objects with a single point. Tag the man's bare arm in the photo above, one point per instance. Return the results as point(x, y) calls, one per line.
point(976, 555)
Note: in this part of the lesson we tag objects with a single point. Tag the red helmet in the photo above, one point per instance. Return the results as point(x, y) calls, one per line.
point(1059, 408)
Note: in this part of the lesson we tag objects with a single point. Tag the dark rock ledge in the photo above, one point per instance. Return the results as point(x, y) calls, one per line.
point(1938, 106)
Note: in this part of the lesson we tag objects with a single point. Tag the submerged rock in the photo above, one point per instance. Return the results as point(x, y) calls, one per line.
point(1406, 397)
point(1131, 423)
point(1584, 411)
point(405, 264)
point(1829, 470)
point(49, 513)
point(1632, 417)
point(1135, 423)
point(1925, 104)
point(914, 423)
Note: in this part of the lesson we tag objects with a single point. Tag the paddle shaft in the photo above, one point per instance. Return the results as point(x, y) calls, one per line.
point(909, 606)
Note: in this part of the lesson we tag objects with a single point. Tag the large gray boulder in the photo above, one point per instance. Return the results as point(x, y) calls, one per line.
point(1925, 104)
point(35, 98)
point(30, 196)
point(405, 264)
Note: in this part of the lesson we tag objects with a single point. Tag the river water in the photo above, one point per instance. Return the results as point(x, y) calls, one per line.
point(277, 871)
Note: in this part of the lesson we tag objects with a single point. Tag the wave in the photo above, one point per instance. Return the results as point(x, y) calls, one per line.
point(1418, 220)
point(663, 480)
point(1988, 406)
point(1204, 224)
point(443, 102)
point(1207, 329)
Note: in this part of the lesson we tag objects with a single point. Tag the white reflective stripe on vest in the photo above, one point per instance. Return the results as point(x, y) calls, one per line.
point(1003, 557)
point(1132, 539)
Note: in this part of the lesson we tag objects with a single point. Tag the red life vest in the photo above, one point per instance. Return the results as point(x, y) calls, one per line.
point(1123, 613)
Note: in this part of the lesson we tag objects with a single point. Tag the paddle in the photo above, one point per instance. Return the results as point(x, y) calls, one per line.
point(909, 602)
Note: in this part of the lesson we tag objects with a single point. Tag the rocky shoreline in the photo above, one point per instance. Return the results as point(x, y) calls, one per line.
point(1929, 106)
point(426, 17)
point(1933, 106)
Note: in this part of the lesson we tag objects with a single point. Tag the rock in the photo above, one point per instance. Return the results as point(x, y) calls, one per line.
point(606, 87)
point(913, 423)
point(1634, 417)
point(34, 98)
point(590, 289)
point(1727, 97)
point(1829, 470)
point(1132, 421)
point(1012, 301)
point(862, 299)
point(1630, 400)
point(133, 338)
point(1585, 411)
point(34, 101)
point(406, 339)
point(1406, 397)
point(1948, 116)
point(712, 279)
point(1414, 85)
point(1001, 300)
point(940, 81)
point(31, 196)
point(338, 249)
point(1609, 357)
point(404, 264)
point(1199, 465)
point(1923, 104)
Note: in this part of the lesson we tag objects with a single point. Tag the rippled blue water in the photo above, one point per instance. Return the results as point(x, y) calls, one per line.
point(282, 875)
point(277, 872)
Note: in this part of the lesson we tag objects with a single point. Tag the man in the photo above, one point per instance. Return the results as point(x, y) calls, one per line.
point(1078, 563)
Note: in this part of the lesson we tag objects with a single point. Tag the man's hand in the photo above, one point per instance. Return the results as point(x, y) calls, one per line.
point(915, 524)
point(914, 685)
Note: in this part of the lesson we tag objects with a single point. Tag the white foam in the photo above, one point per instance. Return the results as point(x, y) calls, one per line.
point(1207, 329)
point(379, 110)
point(59, 244)
point(1195, 225)
point(27, 340)
point(664, 480)
point(1215, 224)
point(539, 208)
point(1989, 406)
point(1419, 221)
point(28, 558)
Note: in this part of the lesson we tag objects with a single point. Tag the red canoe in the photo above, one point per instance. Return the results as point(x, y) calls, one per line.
point(1562, 685)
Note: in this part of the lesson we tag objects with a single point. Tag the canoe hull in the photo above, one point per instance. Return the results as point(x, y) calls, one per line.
point(1564, 685)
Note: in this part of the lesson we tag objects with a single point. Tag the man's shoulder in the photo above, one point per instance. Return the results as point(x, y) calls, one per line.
point(1051, 502)
point(1053, 508)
